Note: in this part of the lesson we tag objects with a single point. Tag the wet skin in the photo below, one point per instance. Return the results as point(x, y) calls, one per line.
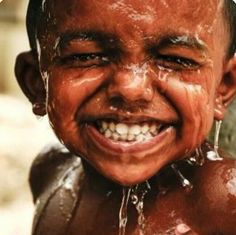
point(74, 201)
point(126, 62)
point(137, 67)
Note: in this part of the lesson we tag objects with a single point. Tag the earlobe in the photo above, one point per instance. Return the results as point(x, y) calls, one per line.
point(226, 90)
point(30, 81)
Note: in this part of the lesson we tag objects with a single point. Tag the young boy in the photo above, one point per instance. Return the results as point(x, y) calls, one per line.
point(133, 88)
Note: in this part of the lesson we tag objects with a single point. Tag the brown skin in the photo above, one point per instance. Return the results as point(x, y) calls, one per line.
point(147, 67)
point(208, 209)
point(147, 75)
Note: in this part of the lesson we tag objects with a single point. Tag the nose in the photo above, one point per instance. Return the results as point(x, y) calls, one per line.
point(131, 83)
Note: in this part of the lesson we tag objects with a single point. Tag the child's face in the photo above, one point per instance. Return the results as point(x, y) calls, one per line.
point(153, 64)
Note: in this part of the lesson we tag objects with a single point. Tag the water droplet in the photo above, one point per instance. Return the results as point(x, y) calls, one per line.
point(198, 159)
point(184, 182)
point(213, 156)
point(216, 142)
point(182, 229)
point(109, 193)
point(137, 198)
point(134, 199)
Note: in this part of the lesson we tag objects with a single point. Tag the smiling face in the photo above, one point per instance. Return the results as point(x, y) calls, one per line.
point(132, 86)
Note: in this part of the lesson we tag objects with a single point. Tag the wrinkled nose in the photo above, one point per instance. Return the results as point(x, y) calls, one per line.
point(131, 83)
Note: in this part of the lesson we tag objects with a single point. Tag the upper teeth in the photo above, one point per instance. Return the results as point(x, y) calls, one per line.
point(124, 132)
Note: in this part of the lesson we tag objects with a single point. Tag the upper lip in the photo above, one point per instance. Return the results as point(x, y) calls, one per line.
point(129, 119)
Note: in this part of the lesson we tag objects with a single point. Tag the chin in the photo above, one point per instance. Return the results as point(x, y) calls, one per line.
point(128, 175)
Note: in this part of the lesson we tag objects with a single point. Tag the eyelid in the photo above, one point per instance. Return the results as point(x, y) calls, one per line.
point(175, 62)
point(184, 52)
point(80, 45)
point(176, 58)
point(85, 59)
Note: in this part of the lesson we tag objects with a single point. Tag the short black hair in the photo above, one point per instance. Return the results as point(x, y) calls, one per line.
point(34, 13)
point(230, 14)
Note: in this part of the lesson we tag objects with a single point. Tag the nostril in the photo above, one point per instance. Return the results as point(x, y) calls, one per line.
point(117, 101)
point(130, 92)
point(127, 106)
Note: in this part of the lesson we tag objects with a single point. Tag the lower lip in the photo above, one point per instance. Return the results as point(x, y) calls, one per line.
point(119, 147)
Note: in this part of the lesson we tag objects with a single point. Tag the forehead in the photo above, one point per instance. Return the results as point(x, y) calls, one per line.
point(136, 18)
point(150, 11)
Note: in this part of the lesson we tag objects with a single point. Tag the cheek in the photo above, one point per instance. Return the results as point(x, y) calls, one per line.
point(191, 94)
point(193, 98)
point(197, 115)
point(67, 92)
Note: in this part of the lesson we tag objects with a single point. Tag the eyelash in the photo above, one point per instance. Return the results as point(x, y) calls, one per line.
point(85, 60)
point(177, 63)
point(172, 62)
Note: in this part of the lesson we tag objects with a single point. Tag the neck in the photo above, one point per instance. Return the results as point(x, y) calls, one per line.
point(168, 178)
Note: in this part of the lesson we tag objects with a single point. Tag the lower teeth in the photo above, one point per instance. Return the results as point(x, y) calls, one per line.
point(117, 133)
point(129, 138)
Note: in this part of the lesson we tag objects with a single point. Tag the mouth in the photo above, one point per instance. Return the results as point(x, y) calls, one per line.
point(126, 136)
point(125, 132)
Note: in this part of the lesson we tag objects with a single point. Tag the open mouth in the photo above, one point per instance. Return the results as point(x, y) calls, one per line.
point(121, 135)
point(126, 132)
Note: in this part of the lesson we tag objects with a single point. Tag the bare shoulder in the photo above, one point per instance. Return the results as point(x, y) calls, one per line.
point(55, 178)
point(214, 195)
point(49, 167)
point(218, 179)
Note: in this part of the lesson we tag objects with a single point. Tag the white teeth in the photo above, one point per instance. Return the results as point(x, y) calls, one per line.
point(108, 133)
point(115, 136)
point(112, 126)
point(122, 129)
point(145, 128)
point(130, 137)
point(140, 138)
point(125, 132)
point(153, 128)
point(123, 137)
point(135, 130)
point(104, 125)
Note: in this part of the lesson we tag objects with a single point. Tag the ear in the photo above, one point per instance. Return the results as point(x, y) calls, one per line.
point(30, 81)
point(226, 90)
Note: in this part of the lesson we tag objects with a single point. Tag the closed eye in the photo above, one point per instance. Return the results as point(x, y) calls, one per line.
point(84, 60)
point(177, 63)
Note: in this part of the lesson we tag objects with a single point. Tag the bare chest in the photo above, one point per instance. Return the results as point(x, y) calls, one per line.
point(113, 214)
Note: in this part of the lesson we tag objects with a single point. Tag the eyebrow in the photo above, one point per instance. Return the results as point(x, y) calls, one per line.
point(187, 41)
point(162, 42)
point(96, 36)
